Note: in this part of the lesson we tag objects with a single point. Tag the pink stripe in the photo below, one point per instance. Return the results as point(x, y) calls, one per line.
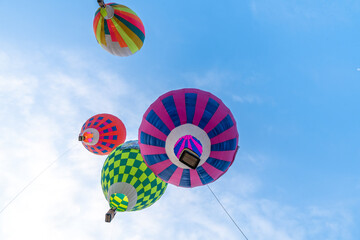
point(133, 21)
point(223, 155)
point(231, 133)
point(151, 150)
point(200, 108)
point(160, 110)
point(161, 166)
point(175, 178)
point(151, 130)
point(189, 140)
point(213, 172)
point(179, 99)
point(194, 178)
point(197, 145)
point(218, 116)
point(181, 148)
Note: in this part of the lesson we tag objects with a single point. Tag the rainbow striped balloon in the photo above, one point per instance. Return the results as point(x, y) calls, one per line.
point(118, 29)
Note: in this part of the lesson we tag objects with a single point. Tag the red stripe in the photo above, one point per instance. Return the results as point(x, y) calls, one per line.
point(96, 22)
point(133, 19)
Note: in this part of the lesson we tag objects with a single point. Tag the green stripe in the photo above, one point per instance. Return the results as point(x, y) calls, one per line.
point(132, 27)
point(125, 9)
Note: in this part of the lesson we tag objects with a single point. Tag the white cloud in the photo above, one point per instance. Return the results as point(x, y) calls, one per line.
point(247, 99)
point(211, 79)
point(42, 114)
point(305, 13)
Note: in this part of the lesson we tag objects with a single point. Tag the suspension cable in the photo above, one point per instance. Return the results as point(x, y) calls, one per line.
point(36, 177)
point(227, 212)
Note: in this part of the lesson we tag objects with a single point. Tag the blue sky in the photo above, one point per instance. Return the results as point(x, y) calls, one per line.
point(286, 69)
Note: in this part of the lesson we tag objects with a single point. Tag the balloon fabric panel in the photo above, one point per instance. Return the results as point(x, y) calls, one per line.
point(178, 109)
point(126, 165)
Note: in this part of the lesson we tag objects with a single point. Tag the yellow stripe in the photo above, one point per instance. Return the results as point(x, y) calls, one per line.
point(124, 9)
point(131, 39)
point(100, 33)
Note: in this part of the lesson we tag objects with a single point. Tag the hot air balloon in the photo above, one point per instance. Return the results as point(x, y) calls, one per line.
point(118, 29)
point(188, 137)
point(127, 183)
point(102, 133)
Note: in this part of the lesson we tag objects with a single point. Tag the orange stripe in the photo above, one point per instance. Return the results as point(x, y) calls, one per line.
point(130, 33)
point(120, 40)
point(96, 22)
point(111, 30)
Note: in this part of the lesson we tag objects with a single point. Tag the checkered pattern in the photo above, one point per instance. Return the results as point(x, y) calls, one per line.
point(127, 165)
point(119, 201)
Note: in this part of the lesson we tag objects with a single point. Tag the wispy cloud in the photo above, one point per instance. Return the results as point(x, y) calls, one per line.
point(247, 99)
point(42, 114)
point(304, 13)
point(210, 79)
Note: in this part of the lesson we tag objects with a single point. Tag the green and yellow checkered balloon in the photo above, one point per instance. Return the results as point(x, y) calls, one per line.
point(127, 183)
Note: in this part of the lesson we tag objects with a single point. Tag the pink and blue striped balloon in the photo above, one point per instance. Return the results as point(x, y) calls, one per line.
point(188, 119)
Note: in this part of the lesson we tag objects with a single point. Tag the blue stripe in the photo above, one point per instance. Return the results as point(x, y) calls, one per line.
point(186, 144)
point(224, 125)
point(210, 110)
point(195, 149)
point(218, 164)
point(185, 178)
point(156, 158)
point(204, 176)
point(154, 120)
point(224, 146)
point(170, 107)
point(177, 147)
point(190, 103)
point(150, 140)
point(167, 173)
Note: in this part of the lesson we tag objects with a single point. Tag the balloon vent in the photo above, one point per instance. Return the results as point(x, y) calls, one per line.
point(189, 142)
point(189, 158)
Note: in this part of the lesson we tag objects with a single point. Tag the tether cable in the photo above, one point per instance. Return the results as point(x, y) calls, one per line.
point(37, 176)
point(227, 212)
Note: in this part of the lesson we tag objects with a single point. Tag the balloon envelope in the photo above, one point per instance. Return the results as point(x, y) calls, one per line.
point(118, 29)
point(103, 133)
point(191, 121)
point(127, 182)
